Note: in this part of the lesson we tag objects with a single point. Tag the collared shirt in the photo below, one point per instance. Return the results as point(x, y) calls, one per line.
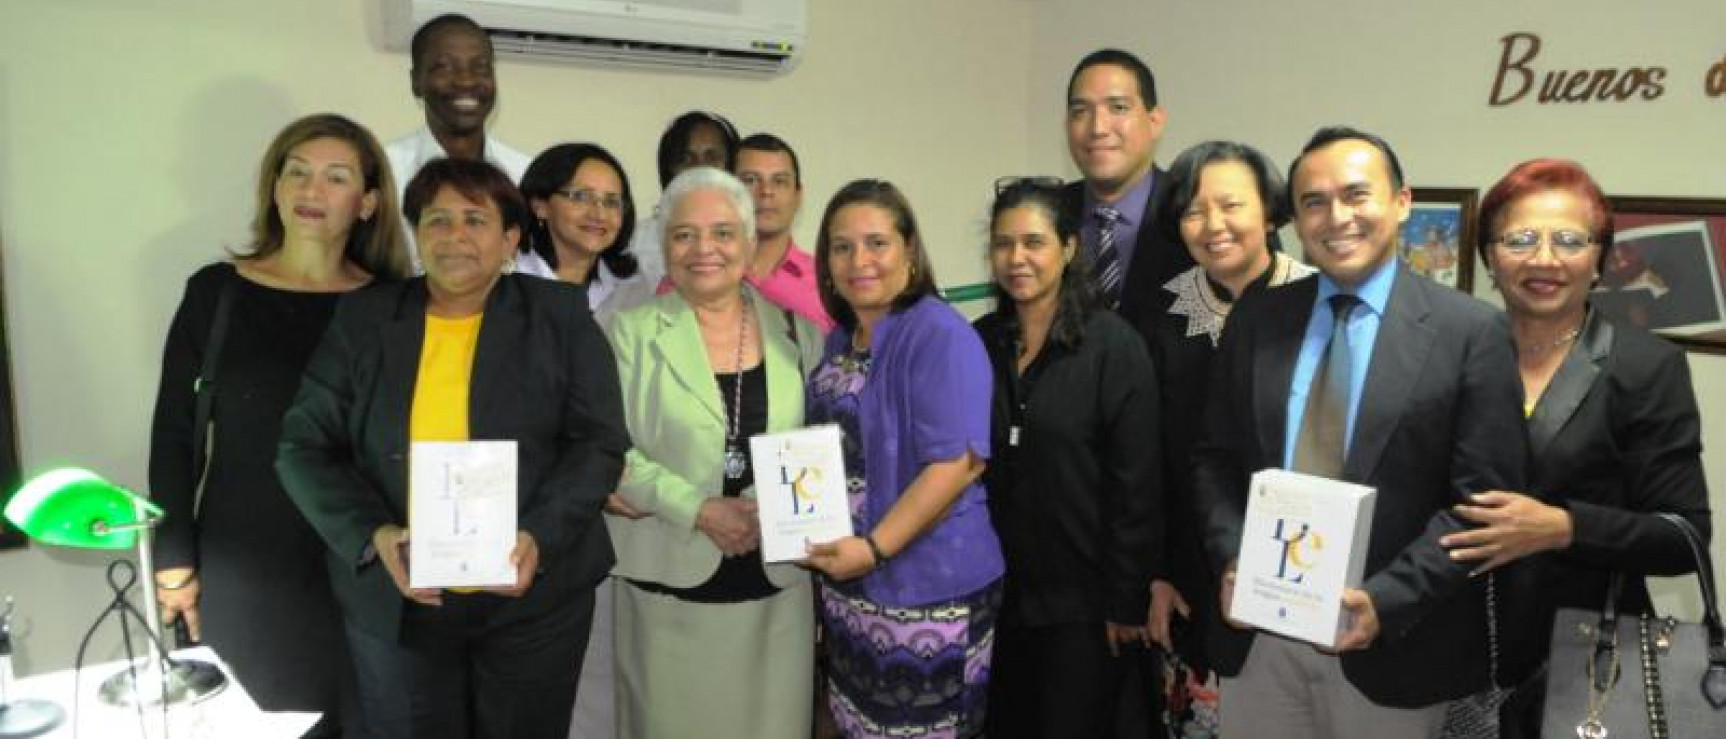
point(1131, 204)
point(1363, 322)
point(411, 152)
point(606, 292)
point(791, 285)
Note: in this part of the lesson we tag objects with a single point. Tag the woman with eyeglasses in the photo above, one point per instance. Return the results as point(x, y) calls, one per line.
point(583, 218)
point(1612, 422)
point(1074, 486)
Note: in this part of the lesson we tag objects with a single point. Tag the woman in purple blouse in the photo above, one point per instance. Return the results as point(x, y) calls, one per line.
point(909, 603)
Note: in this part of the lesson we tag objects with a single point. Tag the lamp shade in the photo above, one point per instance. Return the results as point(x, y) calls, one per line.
point(77, 508)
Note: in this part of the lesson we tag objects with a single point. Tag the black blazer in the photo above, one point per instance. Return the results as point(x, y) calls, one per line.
point(1439, 419)
point(543, 375)
point(1156, 259)
point(1615, 438)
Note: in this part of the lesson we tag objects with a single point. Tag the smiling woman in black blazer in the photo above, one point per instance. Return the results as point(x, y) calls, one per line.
point(469, 352)
point(1612, 420)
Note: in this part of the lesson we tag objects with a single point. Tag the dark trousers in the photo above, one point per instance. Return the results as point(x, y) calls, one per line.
point(459, 674)
point(1054, 682)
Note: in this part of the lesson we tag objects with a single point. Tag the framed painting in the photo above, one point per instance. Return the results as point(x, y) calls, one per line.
point(1667, 269)
point(1437, 240)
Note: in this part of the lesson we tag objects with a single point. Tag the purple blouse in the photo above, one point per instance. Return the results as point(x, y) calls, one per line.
point(927, 399)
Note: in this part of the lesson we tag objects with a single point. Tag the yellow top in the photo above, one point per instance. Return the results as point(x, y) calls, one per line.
point(441, 388)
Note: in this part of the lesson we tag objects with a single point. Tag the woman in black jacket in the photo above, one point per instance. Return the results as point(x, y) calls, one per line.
point(1073, 486)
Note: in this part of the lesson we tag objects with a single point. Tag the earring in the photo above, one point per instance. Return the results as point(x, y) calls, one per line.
point(509, 265)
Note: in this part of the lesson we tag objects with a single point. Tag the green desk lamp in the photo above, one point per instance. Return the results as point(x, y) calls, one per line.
point(76, 508)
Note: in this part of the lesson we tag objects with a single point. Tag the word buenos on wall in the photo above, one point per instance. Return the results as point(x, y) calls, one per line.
point(1518, 74)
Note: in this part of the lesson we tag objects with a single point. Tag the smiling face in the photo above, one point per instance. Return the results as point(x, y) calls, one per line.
point(463, 246)
point(454, 78)
point(1549, 282)
point(1346, 210)
point(321, 192)
point(706, 246)
point(1026, 255)
point(868, 259)
point(586, 213)
point(1111, 135)
point(1224, 227)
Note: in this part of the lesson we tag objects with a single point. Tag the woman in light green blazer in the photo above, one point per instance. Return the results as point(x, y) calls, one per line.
point(709, 641)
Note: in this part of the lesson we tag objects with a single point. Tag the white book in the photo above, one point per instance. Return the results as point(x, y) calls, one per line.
point(461, 514)
point(1303, 542)
point(799, 490)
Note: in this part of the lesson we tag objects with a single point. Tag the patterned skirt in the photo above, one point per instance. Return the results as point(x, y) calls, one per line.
point(909, 673)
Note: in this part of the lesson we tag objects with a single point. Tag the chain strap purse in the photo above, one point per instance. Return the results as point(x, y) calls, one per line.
point(1612, 676)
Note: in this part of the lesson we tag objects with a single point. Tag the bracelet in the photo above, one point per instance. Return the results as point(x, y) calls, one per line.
point(881, 558)
point(181, 585)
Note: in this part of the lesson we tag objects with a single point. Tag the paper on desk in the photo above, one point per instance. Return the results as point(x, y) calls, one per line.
point(461, 517)
point(799, 490)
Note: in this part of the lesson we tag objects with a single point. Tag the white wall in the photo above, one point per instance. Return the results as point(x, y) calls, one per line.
point(1420, 75)
point(130, 132)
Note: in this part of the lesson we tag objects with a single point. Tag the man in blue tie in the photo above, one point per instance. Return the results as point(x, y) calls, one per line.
point(1377, 376)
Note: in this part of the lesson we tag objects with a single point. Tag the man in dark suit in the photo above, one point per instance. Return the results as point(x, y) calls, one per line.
point(1373, 375)
point(1113, 125)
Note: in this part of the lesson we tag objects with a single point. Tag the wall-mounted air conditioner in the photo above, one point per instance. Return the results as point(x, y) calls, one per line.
point(741, 37)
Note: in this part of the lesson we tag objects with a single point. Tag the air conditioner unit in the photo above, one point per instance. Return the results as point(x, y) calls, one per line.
point(757, 38)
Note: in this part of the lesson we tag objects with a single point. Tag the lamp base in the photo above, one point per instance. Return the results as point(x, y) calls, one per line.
point(189, 681)
point(25, 719)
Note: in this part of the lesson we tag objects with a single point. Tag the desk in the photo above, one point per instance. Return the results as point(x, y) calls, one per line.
point(230, 713)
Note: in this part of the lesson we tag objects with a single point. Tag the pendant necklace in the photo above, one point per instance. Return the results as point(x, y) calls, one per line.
point(736, 462)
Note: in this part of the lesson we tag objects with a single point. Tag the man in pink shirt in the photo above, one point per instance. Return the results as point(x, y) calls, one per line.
point(783, 273)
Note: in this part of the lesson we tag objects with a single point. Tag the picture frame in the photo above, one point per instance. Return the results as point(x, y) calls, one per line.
point(1666, 271)
point(1437, 240)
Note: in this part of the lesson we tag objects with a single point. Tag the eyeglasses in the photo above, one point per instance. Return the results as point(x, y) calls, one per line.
point(609, 201)
point(1526, 242)
point(1004, 184)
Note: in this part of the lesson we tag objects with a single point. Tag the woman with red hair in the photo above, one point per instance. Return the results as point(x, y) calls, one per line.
point(1612, 422)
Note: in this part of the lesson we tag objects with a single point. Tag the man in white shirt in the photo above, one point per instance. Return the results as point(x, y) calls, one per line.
point(453, 77)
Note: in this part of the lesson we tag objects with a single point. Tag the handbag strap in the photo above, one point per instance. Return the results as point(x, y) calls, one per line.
point(1714, 677)
point(205, 394)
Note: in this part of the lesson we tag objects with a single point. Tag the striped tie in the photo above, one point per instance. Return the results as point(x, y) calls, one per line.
point(1319, 449)
point(1107, 271)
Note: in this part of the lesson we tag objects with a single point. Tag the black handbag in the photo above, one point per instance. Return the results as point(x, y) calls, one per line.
point(1623, 676)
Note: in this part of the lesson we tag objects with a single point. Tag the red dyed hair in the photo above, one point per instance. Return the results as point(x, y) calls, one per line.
point(1541, 175)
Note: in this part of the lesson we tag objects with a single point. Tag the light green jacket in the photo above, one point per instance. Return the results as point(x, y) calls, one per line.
point(676, 421)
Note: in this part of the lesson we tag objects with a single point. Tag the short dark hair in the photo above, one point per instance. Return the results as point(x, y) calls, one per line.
point(548, 173)
point(1078, 296)
point(476, 180)
point(1332, 134)
point(422, 37)
point(1542, 175)
point(881, 194)
point(676, 139)
point(769, 143)
point(1181, 184)
point(1125, 60)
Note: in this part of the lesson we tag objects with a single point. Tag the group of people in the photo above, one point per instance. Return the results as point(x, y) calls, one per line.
point(1047, 505)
